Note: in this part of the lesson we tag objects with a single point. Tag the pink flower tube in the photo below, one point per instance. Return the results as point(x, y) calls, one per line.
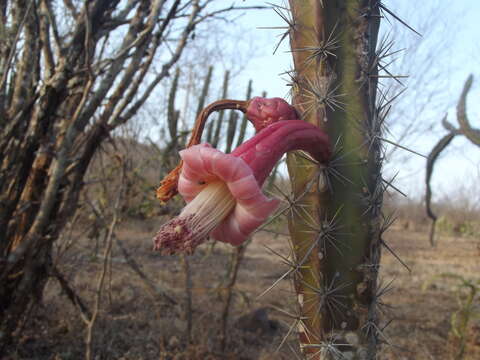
point(260, 111)
point(223, 191)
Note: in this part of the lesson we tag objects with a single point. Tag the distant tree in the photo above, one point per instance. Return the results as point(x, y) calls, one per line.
point(71, 72)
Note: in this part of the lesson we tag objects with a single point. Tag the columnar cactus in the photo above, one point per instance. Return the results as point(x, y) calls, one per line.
point(335, 224)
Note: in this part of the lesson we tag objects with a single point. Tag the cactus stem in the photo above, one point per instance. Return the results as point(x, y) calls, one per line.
point(294, 203)
point(326, 232)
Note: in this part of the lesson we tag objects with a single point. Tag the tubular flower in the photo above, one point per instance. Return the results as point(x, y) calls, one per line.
point(223, 191)
point(260, 111)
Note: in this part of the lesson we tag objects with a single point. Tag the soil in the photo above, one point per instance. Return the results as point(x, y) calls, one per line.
point(135, 321)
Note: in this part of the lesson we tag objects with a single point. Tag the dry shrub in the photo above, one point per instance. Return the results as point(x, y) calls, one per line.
point(458, 212)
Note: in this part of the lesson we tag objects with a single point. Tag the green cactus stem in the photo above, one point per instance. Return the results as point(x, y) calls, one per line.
point(243, 126)
point(173, 114)
point(216, 136)
point(204, 93)
point(335, 223)
point(232, 126)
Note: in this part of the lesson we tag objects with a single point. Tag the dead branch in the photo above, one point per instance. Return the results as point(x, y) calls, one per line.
point(235, 262)
point(432, 157)
point(157, 292)
point(74, 298)
point(188, 310)
point(90, 321)
point(466, 130)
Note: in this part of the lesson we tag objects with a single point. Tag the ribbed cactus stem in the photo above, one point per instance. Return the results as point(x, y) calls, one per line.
point(204, 93)
point(232, 126)
point(209, 135)
point(334, 87)
point(172, 113)
point(243, 126)
point(216, 136)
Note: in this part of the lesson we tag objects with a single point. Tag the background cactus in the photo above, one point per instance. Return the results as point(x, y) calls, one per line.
point(336, 219)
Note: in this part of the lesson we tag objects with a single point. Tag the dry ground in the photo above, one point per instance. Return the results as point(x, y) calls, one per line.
point(134, 323)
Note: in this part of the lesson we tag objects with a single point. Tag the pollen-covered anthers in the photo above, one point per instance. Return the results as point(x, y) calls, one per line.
point(175, 236)
point(197, 220)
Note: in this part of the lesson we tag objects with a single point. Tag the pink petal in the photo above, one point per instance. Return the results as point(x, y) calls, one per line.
point(203, 164)
point(196, 170)
point(243, 221)
point(230, 168)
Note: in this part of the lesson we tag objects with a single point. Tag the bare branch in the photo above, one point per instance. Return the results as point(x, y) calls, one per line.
point(470, 133)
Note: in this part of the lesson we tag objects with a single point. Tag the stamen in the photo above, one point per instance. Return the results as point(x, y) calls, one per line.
point(191, 228)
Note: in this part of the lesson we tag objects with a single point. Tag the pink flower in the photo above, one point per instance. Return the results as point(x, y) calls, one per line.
point(260, 111)
point(223, 191)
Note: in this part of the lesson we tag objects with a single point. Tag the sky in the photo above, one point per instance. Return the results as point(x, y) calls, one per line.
point(437, 64)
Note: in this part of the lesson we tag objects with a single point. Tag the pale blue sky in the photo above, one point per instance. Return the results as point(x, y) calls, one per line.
point(438, 64)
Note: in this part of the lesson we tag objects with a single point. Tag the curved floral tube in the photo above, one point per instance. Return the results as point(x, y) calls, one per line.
point(260, 111)
point(223, 191)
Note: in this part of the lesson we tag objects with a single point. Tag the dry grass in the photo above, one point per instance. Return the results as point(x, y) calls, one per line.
point(134, 324)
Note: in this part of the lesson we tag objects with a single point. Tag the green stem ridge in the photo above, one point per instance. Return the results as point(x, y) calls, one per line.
point(335, 82)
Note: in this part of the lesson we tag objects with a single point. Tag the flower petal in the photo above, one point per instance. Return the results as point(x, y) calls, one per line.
point(196, 169)
point(203, 164)
point(230, 168)
point(244, 220)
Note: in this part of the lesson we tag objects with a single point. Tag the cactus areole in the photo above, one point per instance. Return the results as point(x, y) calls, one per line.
point(223, 191)
point(260, 111)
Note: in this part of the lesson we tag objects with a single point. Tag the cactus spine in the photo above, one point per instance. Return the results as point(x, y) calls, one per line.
point(336, 216)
